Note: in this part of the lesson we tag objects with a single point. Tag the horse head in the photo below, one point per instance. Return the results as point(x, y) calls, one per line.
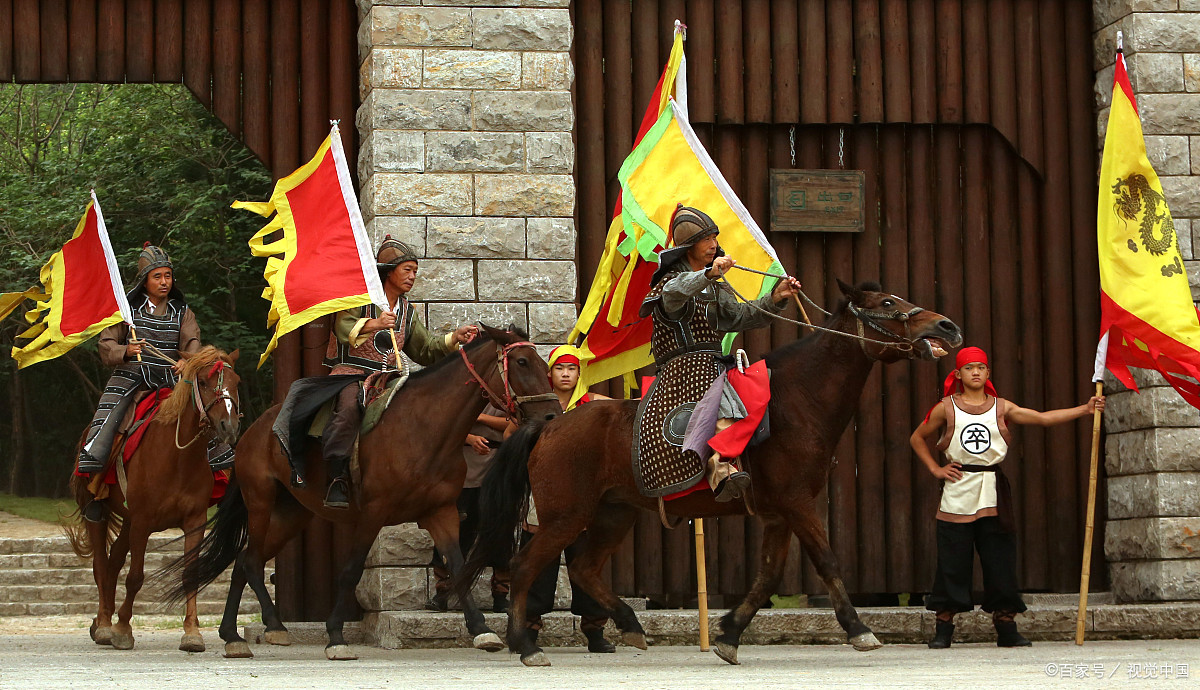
point(214, 390)
point(893, 328)
point(519, 379)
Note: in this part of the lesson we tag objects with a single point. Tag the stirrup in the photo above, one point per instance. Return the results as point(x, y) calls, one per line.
point(93, 511)
point(339, 502)
point(732, 487)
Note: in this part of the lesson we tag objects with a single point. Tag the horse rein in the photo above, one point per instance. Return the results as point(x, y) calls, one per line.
point(217, 369)
point(511, 402)
point(903, 344)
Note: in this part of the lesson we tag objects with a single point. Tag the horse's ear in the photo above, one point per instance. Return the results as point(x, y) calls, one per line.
point(854, 294)
point(233, 356)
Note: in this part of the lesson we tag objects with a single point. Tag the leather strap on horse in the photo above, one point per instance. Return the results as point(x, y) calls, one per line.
point(510, 403)
point(662, 515)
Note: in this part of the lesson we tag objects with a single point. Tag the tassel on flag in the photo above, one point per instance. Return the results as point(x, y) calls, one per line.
point(72, 305)
point(323, 263)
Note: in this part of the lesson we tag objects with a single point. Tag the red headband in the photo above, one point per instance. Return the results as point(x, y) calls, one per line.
point(966, 356)
point(564, 354)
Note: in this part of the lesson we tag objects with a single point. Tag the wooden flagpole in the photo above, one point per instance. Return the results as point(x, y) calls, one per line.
point(701, 583)
point(1086, 571)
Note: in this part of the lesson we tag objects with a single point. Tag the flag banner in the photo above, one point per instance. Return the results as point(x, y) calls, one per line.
point(80, 294)
point(323, 262)
point(1148, 319)
point(668, 166)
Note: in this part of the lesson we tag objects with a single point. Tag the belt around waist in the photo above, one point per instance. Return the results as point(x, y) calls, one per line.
point(979, 468)
point(686, 349)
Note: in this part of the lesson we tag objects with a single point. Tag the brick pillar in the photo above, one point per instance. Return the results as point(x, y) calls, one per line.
point(467, 153)
point(1153, 450)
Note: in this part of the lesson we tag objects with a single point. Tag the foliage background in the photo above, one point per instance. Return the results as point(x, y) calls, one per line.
point(165, 171)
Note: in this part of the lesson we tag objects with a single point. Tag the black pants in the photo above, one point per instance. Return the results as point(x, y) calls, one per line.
point(541, 594)
point(341, 431)
point(956, 543)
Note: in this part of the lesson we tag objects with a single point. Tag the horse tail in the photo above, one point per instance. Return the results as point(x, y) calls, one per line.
point(225, 536)
point(502, 498)
point(76, 530)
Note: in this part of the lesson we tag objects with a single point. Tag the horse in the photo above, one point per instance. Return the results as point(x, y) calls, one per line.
point(168, 484)
point(411, 469)
point(579, 470)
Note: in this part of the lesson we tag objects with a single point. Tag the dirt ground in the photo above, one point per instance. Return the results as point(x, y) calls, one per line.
point(16, 527)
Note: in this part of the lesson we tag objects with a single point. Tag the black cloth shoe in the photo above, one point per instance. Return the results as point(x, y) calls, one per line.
point(94, 511)
point(438, 602)
point(499, 603)
point(942, 635)
point(1007, 635)
point(733, 487)
point(596, 641)
point(337, 496)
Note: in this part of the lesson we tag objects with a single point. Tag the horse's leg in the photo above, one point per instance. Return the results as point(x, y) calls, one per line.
point(365, 532)
point(192, 641)
point(269, 530)
point(812, 536)
point(542, 549)
point(610, 525)
point(101, 629)
point(235, 645)
point(122, 634)
point(776, 540)
point(443, 527)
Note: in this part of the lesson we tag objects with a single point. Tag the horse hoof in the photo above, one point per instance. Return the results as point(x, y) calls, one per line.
point(239, 649)
point(538, 658)
point(634, 639)
point(488, 642)
point(865, 642)
point(278, 637)
point(191, 642)
point(727, 652)
point(102, 635)
point(340, 652)
point(121, 640)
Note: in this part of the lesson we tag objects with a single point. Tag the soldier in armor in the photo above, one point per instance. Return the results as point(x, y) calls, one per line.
point(162, 319)
point(692, 311)
point(971, 428)
point(360, 343)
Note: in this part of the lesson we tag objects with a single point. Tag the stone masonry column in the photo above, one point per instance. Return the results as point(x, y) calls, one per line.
point(467, 153)
point(1152, 458)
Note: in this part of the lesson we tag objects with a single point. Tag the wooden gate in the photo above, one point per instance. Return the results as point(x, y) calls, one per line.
point(973, 122)
point(275, 72)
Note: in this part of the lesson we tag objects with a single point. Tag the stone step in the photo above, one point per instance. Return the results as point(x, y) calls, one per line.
point(44, 545)
point(86, 592)
point(69, 576)
point(140, 608)
point(27, 561)
point(908, 625)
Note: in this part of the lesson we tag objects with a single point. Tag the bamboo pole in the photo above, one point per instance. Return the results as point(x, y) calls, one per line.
point(701, 583)
point(133, 336)
point(1086, 571)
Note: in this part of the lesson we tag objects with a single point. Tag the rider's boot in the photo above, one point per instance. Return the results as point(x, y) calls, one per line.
point(727, 480)
point(338, 496)
point(94, 510)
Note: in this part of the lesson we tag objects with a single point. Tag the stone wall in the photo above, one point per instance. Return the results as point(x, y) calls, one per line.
point(468, 154)
point(1152, 538)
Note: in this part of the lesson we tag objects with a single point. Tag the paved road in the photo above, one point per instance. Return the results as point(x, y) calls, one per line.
point(64, 659)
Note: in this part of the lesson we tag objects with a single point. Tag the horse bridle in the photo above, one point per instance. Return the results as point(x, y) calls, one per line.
point(511, 402)
point(903, 344)
point(218, 369)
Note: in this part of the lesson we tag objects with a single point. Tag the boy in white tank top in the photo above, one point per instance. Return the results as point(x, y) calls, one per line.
point(970, 426)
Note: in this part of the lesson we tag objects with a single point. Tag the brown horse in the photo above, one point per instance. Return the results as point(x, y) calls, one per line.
point(166, 486)
point(578, 468)
point(412, 470)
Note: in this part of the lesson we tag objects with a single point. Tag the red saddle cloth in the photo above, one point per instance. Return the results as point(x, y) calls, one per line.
point(143, 414)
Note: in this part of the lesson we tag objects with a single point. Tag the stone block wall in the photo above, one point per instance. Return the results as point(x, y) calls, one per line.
point(467, 153)
point(1152, 538)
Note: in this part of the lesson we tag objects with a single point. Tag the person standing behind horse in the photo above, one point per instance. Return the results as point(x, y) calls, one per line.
point(975, 514)
point(360, 344)
point(692, 311)
point(164, 321)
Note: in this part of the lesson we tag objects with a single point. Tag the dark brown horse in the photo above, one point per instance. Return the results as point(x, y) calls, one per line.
point(165, 487)
point(578, 468)
point(412, 470)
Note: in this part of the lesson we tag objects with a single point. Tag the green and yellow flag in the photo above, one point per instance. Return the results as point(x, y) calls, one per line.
point(1148, 319)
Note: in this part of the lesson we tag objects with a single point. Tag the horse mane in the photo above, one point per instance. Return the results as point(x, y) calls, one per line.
point(786, 351)
point(475, 344)
point(181, 395)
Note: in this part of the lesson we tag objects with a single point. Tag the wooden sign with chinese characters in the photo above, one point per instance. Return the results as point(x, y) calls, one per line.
point(817, 200)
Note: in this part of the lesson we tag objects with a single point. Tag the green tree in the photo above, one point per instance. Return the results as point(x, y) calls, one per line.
point(165, 171)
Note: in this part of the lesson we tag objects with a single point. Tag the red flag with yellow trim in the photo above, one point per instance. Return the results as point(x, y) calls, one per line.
point(80, 294)
point(1148, 318)
point(323, 262)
